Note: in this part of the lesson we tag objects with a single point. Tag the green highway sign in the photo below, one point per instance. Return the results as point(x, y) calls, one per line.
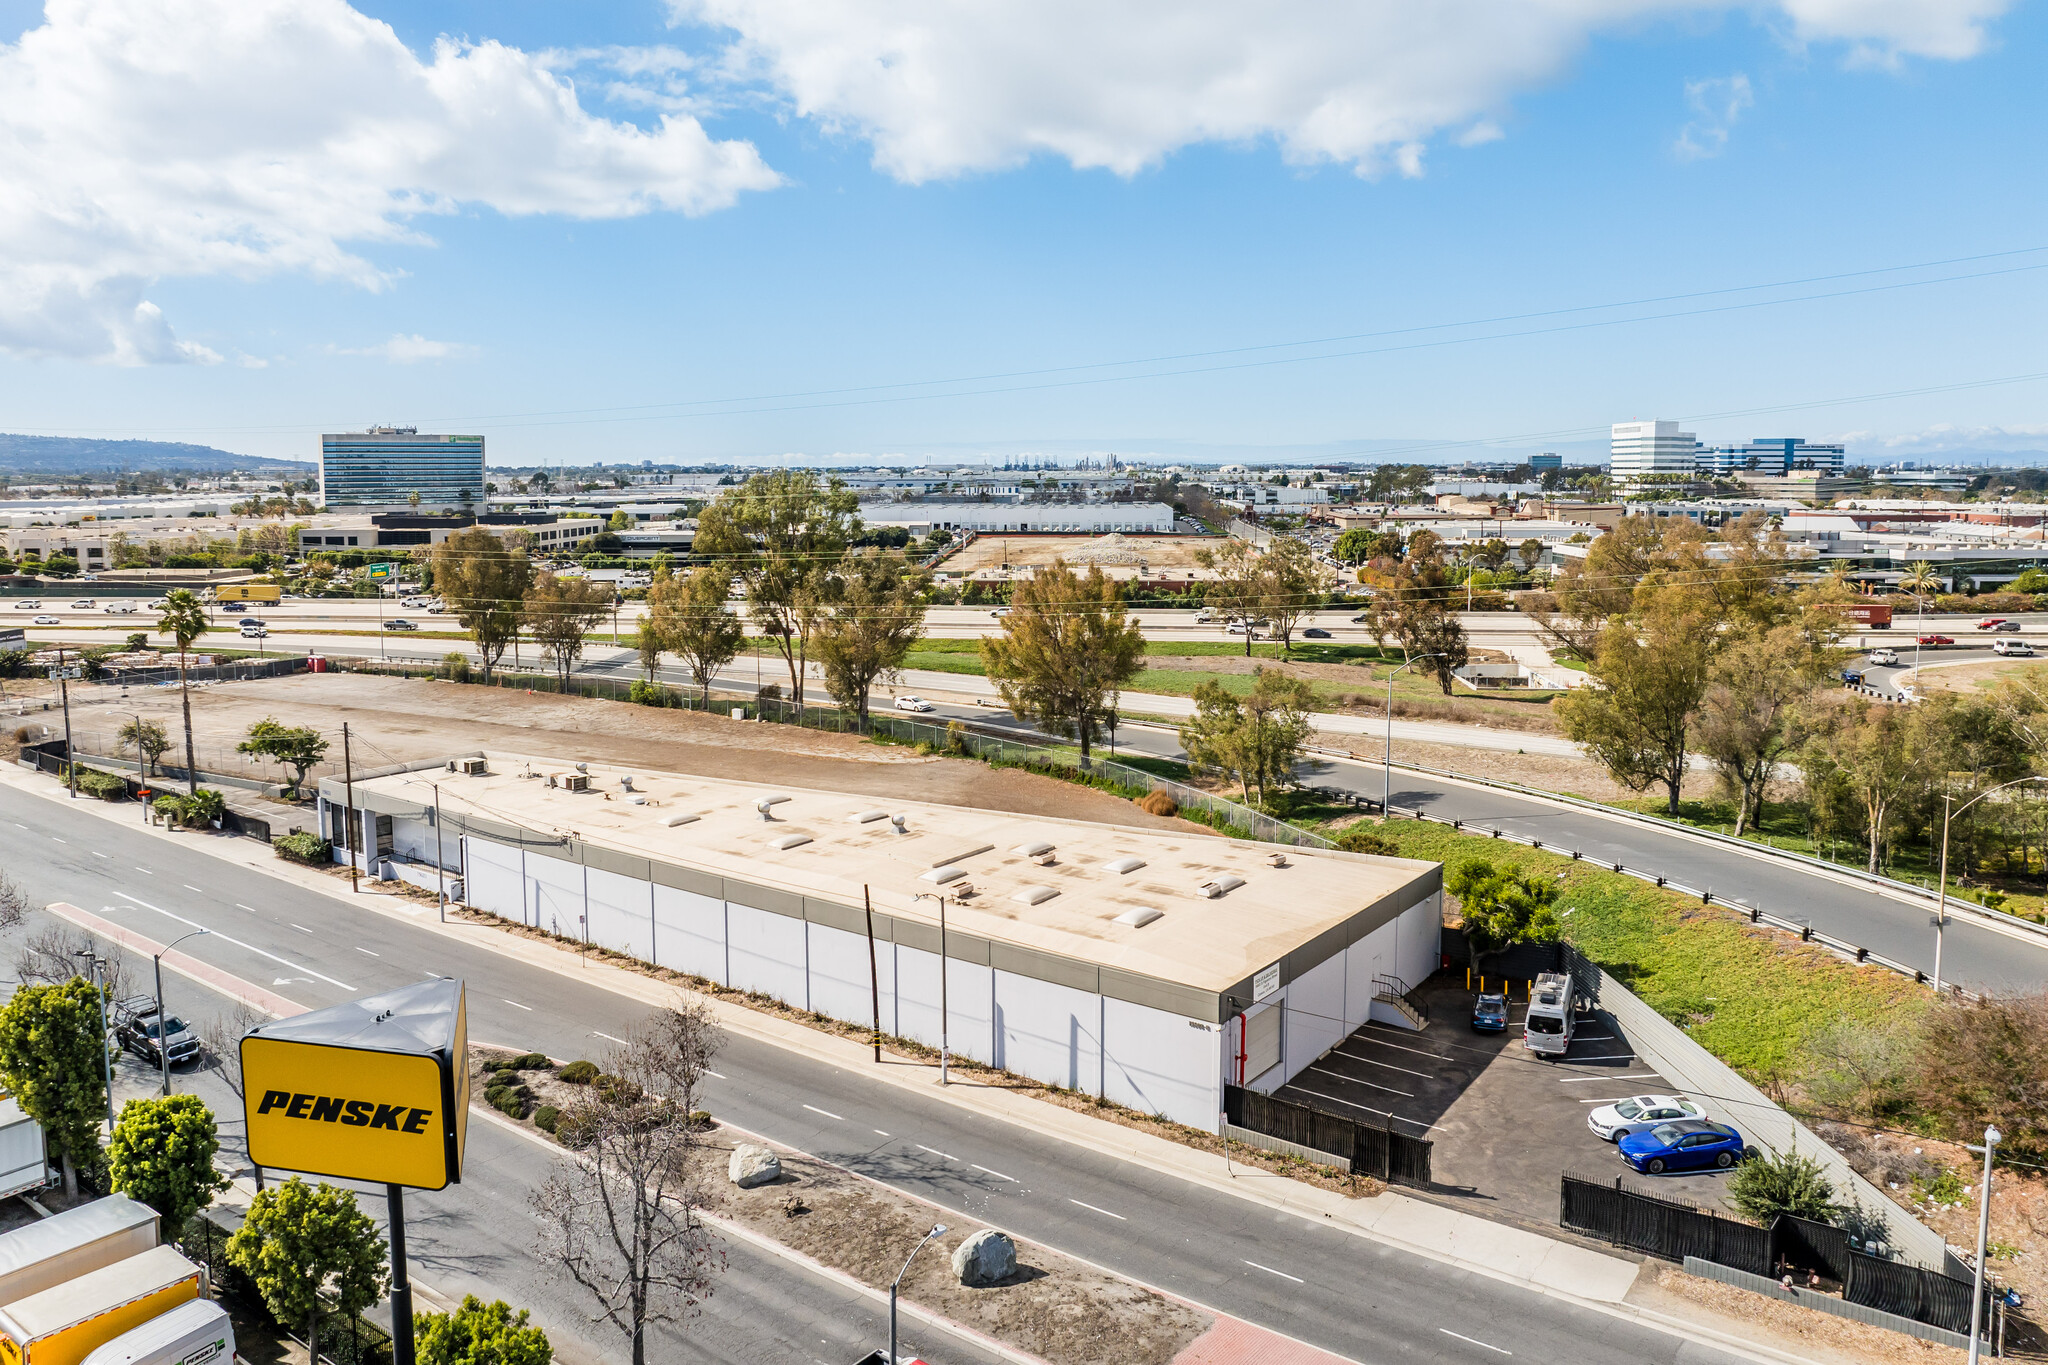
point(381, 570)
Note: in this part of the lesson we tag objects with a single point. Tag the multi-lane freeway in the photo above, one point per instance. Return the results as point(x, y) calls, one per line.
point(1363, 1299)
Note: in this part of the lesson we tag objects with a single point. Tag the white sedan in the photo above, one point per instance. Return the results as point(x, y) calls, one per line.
point(46, 621)
point(1640, 1113)
point(912, 704)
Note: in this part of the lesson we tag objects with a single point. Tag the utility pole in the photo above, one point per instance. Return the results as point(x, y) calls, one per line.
point(70, 756)
point(440, 866)
point(141, 773)
point(348, 828)
point(1992, 1137)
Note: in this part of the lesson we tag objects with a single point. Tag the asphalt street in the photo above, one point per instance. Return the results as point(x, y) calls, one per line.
point(1360, 1298)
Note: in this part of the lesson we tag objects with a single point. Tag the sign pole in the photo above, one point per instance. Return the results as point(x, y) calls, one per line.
point(349, 827)
point(70, 754)
point(401, 1287)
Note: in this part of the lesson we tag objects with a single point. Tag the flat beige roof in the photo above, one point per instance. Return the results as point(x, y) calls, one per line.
point(1093, 900)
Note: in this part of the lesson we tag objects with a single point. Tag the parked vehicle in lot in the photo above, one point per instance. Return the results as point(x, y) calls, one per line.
point(1936, 639)
point(912, 704)
point(1886, 656)
point(399, 623)
point(1547, 1029)
point(136, 1029)
point(1490, 1013)
point(1315, 633)
point(2013, 649)
point(1616, 1121)
point(1683, 1145)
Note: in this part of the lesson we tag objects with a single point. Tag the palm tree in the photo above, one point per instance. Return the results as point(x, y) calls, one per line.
point(184, 620)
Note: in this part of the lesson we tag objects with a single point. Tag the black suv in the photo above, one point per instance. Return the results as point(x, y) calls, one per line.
point(135, 1029)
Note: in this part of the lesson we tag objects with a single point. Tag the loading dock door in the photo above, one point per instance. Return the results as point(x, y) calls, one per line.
point(1261, 1042)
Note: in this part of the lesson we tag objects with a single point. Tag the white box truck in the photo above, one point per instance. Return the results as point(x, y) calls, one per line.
point(65, 1324)
point(46, 1254)
point(194, 1333)
point(24, 1157)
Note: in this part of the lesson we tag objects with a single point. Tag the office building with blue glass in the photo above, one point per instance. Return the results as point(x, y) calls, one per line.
point(385, 466)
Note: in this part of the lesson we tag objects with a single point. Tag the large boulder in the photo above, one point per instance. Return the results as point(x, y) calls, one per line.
point(753, 1165)
point(988, 1257)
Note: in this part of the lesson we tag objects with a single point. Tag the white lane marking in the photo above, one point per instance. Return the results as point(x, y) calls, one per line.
point(997, 1174)
point(1449, 1333)
point(707, 1070)
point(190, 887)
point(138, 867)
point(934, 1151)
point(55, 839)
point(880, 1133)
point(19, 825)
point(1632, 1076)
point(1369, 1085)
point(300, 927)
point(620, 1041)
point(97, 854)
point(517, 1006)
point(366, 950)
point(1104, 1212)
point(1281, 1273)
point(826, 1112)
point(1434, 1127)
point(1388, 1065)
point(250, 908)
point(237, 942)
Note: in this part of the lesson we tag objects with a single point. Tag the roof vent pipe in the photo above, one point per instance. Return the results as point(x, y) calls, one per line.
point(767, 804)
point(901, 822)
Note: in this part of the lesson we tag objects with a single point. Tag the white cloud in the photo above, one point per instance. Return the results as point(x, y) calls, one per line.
point(1716, 105)
point(1945, 437)
point(410, 350)
point(140, 141)
point(942, 88)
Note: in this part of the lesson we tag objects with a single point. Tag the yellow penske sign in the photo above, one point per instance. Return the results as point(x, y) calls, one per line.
point(374, 1089)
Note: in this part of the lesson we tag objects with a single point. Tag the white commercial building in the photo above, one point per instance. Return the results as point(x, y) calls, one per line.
point(1642, 450)
point(1151, 967)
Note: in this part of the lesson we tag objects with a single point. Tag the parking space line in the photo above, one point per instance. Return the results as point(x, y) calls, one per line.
point(1632, 1076)
point(1388, 1065)
point(1604, 1057)
point(1419, 1051)
point(1354, 1104)
point(1369, 1085)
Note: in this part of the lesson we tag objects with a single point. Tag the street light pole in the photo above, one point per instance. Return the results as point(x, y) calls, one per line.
point(163, 1045)
point(938, 1230)
point(95, 973)
point(1941, 898)
point(1992, 1138)
point(1387, 773)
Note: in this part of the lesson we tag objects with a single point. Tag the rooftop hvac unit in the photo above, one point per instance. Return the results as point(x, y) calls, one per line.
point(576, 782)
point(469, 767)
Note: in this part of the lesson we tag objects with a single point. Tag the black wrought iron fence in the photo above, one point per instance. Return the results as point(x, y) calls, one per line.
point(1371, 1149)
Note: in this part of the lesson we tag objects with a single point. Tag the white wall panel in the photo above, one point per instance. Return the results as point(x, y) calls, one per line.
point(1162, 1063)
point(1048, 1032)
point(554, 894)
point(917, 995)
point(1420, 934)
point(492, 883)
point(689, 932)
point(1357, 985)
point(767, 953)
point(972, 1009)
point(1265, 1033)
point(840, 982)
point(1315, 1014)
point(621, 914)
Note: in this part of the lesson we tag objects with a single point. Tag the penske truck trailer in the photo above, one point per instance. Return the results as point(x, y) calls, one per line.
point(47, 1254)
point(66, 1323)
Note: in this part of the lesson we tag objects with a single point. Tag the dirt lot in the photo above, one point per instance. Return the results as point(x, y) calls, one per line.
point(394, 720)
point(1157, 552)
point(1970, 677)
point(1545, 772)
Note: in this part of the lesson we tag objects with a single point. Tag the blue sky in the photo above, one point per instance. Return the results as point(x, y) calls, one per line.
point(251, 248)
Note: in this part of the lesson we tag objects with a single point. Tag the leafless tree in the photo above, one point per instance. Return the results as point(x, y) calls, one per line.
point(223, 1038)
point(622, 1221)
point(13, 902)
point(49, 956)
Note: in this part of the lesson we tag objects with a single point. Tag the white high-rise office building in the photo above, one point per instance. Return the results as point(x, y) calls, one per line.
point(1643, 449)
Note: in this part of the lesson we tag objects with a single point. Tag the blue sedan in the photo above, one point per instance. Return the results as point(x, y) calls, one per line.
point(1490, 1013)
point(1682, 1146)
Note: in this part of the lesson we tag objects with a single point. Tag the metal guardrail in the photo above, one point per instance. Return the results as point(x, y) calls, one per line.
point(1956, 906)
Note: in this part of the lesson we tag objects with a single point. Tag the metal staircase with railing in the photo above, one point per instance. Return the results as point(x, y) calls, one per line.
point(1393, 992)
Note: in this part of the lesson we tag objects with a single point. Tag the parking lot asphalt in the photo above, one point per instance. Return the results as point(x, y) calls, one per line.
point(1505, 1123)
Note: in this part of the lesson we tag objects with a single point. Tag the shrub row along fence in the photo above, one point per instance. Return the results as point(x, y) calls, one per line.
point(345, 1338)
point(1371, 1149)
point(50, 757)
point(1673, 1230)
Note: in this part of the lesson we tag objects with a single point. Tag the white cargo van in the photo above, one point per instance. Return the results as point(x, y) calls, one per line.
point(1547, 1031)
point(195, 1333)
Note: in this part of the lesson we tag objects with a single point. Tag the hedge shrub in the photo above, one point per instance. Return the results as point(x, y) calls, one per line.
point(303, 847)
point(106, 786)
point(579, 1073)
point(547, 1118)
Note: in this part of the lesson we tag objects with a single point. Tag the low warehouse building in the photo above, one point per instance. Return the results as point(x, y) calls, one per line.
point(1150, 967)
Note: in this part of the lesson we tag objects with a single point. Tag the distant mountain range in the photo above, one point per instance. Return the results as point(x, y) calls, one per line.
point(71, 455)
